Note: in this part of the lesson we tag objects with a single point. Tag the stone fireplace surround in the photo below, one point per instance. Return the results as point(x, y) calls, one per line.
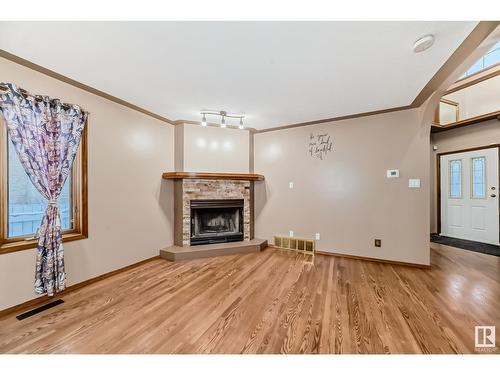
point(199, 189)
point(190, 186)
point(204, 186)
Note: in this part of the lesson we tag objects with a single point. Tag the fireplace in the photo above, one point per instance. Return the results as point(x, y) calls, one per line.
point(204, 194)
point(216, 220)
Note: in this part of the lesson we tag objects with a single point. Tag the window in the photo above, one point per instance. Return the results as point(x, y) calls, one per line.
point(25, 204)
point(491, 58)
point(22, 206)
point(479, 177)
point(455, 179)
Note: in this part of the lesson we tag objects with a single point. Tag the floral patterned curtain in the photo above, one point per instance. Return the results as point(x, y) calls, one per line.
point(46, 134)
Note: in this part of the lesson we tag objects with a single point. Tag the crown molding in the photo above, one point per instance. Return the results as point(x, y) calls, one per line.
point(28, 64)
point(482, 30)
point(473, 40)
point(333, 119)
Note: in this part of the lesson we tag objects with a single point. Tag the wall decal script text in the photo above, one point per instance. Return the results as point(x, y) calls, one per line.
point(320, 145)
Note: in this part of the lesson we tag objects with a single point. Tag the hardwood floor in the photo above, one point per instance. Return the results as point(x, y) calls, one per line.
point(272, 302)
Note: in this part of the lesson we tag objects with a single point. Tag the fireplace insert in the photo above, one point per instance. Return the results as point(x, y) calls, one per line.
point(216, 220)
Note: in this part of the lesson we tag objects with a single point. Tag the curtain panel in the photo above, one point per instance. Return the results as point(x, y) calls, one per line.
point(46, 134)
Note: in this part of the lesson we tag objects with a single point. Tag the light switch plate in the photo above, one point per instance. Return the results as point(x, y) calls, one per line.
point(291, 233)
point(393, 173)
point(414, 183)
point(290, 185)
point(318, 236)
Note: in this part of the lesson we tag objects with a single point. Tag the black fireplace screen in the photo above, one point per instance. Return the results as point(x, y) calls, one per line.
point(216, 220)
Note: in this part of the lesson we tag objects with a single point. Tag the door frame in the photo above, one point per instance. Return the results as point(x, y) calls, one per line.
point(438, 177)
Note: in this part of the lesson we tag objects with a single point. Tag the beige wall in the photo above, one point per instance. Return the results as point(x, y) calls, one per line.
point(213, 149)
point(478, 135)
point(346, 197)
point(130, 207)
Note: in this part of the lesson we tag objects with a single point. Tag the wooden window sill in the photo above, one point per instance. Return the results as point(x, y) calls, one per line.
point(10, 247)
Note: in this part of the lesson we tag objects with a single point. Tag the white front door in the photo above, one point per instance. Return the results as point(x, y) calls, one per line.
point(469, 195)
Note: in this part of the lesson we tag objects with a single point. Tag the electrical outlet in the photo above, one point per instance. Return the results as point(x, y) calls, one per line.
point(414, 183)
point(290, 185)
point(318, 237)
point(291, 233)
point(378, 243)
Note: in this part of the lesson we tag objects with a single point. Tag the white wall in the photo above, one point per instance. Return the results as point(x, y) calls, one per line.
point(477, 99)
point(212, 149)
point(130, 206)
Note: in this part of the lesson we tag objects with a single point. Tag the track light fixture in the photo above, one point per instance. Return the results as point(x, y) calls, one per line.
point(223, 115)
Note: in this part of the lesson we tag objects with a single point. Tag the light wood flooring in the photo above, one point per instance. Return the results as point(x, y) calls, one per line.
point(272, 302)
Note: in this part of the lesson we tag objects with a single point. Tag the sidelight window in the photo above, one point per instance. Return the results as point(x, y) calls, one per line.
point(479, 177)
point(455, 179)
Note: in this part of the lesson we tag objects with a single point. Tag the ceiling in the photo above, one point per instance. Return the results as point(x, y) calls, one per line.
point(277, 73)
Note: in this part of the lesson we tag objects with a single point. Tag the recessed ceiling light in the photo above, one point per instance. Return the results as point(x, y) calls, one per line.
point(423, 43)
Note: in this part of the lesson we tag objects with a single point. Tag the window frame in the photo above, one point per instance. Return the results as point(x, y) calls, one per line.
point(472, 196)
point(493, 68)
point(437, 114)
point(79, 198)
point(484, 68)
point(450, 179)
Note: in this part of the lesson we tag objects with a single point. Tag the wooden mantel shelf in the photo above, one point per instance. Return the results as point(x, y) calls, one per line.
point(212, 176)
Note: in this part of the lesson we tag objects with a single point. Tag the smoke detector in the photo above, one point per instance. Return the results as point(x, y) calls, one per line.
point(423, 43)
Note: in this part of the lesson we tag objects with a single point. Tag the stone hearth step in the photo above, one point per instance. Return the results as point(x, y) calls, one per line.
point(175, 253)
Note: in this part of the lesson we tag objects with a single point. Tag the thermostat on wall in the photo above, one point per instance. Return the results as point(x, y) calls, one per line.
point(392, 173)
